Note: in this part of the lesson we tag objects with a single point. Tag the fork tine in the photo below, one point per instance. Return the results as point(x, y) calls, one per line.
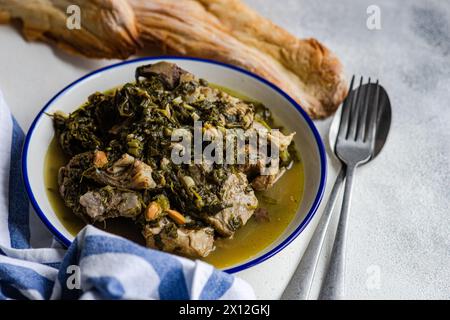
point(370, 137)
point(354, 113)
point(362, 123)
point(343, 125)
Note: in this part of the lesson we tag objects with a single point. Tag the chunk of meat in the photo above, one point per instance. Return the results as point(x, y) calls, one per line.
point(127, 172)
point(168, 73)
point(109, 202)
point(97, 204)
point(266, 171)
point(264, 182)
point(280, 140)
point(275, 136)
point(238, 112)
point(240, 202)
point(167, 236)
point(69, 180)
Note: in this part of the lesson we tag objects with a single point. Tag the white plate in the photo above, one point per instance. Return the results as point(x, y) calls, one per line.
point(287, 112)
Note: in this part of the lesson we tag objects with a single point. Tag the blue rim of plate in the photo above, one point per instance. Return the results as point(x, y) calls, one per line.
point(246, 265)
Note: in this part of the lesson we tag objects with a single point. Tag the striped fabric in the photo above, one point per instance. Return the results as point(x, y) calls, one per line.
point(97, 265)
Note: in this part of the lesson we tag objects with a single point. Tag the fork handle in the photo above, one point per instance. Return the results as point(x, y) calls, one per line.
point(333, 285)
point(301, 288)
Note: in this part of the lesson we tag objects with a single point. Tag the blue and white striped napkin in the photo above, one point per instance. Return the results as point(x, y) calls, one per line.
point(97, 265)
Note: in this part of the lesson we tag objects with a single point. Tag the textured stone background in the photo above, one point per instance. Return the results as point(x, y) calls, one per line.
point(400, 219)
point(400, 216)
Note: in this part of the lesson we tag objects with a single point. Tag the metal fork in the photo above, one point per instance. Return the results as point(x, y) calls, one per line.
point(354, 145)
